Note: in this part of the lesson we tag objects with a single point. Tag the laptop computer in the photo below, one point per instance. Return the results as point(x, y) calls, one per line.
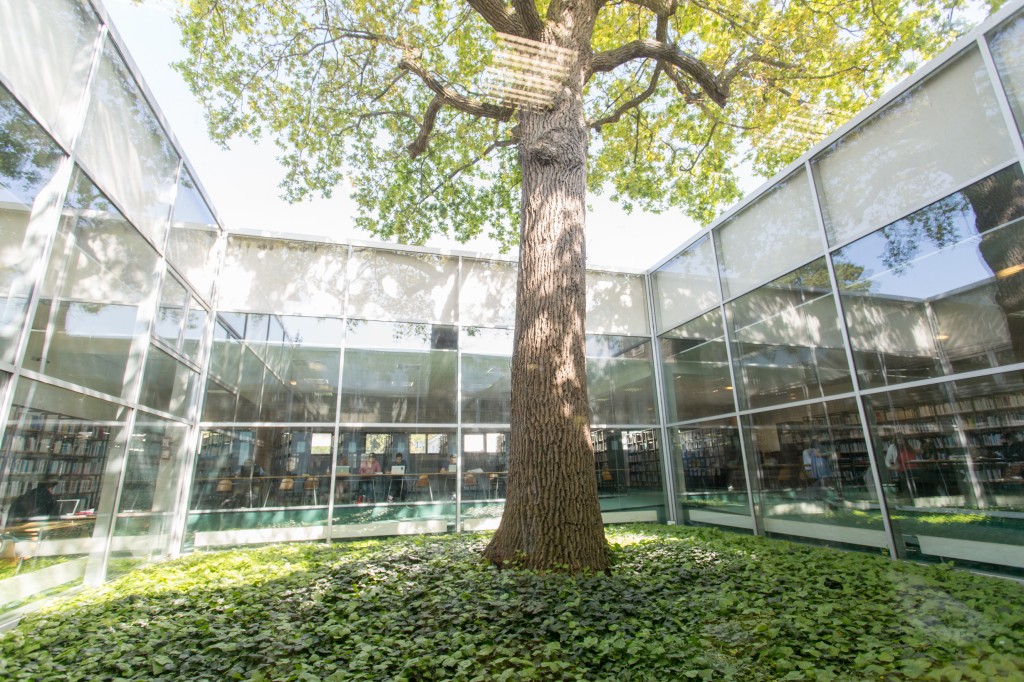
point(68, 507)
point(396, 470)
point(452, 468)
point(341, 470)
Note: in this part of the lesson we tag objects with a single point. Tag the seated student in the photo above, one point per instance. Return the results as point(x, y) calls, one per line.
point(369, 467)
point(396, 484)
point(40, 501)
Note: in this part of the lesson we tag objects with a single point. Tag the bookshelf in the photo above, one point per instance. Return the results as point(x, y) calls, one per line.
point(43, 445)
point(707, 458)
point(644, 459)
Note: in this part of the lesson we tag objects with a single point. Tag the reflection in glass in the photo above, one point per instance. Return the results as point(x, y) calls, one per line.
point(45, 53)
point(53, 489)
point(171, 313)
point(193, 237)
point(143, 528)
point(486, 375)
point(709, 473)
point(167, 384)
point(126, 149)
point(620, 380)
point(814, 474)
point(771, 236)
point(686, 285)
point(88, 314)
point(392, 285)
point(787, 344)
point(399, 373)
point(941, 290)
point(929, 141)
point(274, 368)
point(951, 457)
point(1008, 54)
point(283, 276)
point(616, 304)
point(695, 362)
point(487, 293)
point(30, 159)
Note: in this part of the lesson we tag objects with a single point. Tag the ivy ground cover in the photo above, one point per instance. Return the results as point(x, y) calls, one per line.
point(680, 604)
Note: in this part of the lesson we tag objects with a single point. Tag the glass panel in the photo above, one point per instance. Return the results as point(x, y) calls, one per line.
point(152, 478)
point(191, 246)
point(787, 343)
point(304, 384)
point(709, 474)
point(284, 276)
point(695, 362)
point(772, 236)
point(939, 291)
point(125, 148)
point(484, 477)
point(686, 285)
point(30, 159)
point(46, 49)
point(627, 467)
point(486, 375)
point(815, 476)
point(616, 304)
point(167, 325)
point(290, 375)
point(415, 287)
point(1008, 53)
point(620, 380)
point(399, 373)
point(260, 485)
point(195, 326)
point(931, 140)
point(167, 384)
point(951, 457)
point(487, 296)
point(100, 272)
point(57, 447)
point(419, 497)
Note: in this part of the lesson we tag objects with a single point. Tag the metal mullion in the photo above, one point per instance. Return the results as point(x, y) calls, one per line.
point(999, 89)
point(458, 409)
point(748, 466)
point(895, 546)
point(667, 455)
point(194, 439)
point(337, 402)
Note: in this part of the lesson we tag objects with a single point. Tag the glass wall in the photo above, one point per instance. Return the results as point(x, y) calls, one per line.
point(32, 159)
point(710, 475)
point(56, 490)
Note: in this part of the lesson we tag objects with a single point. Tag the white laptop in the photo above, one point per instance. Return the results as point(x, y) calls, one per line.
point(452, 468)
point(397, 470)
point(341, 470)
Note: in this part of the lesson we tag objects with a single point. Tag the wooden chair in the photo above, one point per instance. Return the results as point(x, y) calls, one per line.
point(423, 481)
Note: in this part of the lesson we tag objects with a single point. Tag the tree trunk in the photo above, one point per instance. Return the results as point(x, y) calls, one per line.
point(552, 518)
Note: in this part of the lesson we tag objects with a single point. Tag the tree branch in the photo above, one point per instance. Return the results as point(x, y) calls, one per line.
point(449, 97)
point(497, 144)
point(530, 18)
point(419, 145)
point(631, 104)
point(665, 55)
point(499, 17)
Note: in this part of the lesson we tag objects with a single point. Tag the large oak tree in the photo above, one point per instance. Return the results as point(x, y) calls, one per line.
point(652, 100)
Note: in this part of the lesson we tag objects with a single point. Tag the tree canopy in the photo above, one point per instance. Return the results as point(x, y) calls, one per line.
point(389, 97)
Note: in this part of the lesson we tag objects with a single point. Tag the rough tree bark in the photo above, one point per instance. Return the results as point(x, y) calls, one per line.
point(552, 518)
